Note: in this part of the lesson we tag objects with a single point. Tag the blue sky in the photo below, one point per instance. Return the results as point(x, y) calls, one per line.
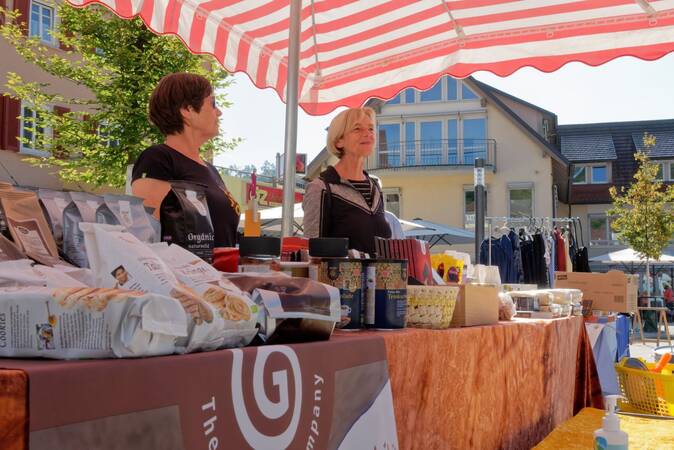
point(623, 89)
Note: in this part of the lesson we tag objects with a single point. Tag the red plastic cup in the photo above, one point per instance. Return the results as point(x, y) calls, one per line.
point(226, 259)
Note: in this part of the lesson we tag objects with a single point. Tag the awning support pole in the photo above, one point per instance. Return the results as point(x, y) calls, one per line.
point(290, 146)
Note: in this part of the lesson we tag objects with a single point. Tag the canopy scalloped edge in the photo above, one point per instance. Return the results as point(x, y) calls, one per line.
point(503, 68)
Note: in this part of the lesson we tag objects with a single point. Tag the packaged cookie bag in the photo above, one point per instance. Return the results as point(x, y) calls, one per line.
point(235, 306)
point(76, 322)
point(23, 273)
point(119, 260)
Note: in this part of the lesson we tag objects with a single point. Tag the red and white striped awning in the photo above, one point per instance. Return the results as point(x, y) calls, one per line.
point(352, 50)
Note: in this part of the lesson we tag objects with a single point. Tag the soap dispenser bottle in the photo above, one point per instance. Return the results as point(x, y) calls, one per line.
point(609, 436)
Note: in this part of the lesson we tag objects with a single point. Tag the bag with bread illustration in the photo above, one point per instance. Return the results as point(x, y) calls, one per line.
point(235, 306)
point(77, 322)
point(119, 260)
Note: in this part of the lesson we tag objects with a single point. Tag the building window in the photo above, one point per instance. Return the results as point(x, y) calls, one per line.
point(33, 131)
point(469, 206)
point(661, 172)
point(395, 100)
point(452, 91)
point(599, 174)
point(600, 229)
point(431, 142)
point(590, 173)
point(409, 95)
point(474, 140)
point(520, 201)
point(389, 145)
point(579, 175)
point(410, 144)
point(434, 94)
point(466, 93)
point(42, 22)
point(671, 171)
point(392, 200)
point(452, 141)
point(104, 132)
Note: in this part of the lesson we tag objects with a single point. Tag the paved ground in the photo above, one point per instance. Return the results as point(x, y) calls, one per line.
point(645, 351)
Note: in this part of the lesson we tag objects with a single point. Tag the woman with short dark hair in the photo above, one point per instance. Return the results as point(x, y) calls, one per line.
point(183, 107)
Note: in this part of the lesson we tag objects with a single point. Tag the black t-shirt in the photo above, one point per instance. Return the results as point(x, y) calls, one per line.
point(161, 162)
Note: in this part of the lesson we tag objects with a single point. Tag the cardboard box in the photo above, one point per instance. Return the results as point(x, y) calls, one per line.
point(610, 291)
point(476, 305)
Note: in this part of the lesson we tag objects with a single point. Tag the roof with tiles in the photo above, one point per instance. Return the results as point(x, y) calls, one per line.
point(664, 144)
point(623, 136)
point(597, 147)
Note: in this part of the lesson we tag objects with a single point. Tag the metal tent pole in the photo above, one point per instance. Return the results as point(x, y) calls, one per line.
point(290, 146)
point(480, 213)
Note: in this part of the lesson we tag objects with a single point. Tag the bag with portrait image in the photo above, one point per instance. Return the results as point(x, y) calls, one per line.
point(186, 221)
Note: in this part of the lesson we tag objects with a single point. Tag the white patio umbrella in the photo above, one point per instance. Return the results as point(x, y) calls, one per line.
point(628, 255)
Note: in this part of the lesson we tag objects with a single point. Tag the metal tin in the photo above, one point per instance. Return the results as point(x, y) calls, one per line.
point(345, 275)
point(389, 302)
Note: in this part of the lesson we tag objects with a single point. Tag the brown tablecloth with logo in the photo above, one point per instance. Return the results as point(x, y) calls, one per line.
point(501, 386)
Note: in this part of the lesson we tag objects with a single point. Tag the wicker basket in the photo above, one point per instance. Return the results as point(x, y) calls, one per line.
point(431, 306)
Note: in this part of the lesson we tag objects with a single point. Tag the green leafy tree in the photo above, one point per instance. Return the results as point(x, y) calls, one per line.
point(117, 63)
point(643, 218)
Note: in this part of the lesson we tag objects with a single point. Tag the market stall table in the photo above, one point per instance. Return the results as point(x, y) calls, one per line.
point(643, 433)
point(506, 385)
point(500, 386)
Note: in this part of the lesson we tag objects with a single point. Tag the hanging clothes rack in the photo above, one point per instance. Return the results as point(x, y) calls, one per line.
point(542, 221)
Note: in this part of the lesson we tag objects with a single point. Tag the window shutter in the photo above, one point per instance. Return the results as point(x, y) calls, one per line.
point(10, 109)
point(58, 152)
point(24, 8)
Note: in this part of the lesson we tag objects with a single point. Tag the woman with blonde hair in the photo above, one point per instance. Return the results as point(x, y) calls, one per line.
point(344, 201)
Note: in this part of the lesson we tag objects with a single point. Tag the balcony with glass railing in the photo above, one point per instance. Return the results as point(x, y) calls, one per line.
point(431, 153)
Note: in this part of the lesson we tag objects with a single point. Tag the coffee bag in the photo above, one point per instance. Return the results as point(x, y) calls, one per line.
point(129, 212)
point(28, 226)
point(186, 221)
point(9, 251)
point(82, 209)
point(53, 204)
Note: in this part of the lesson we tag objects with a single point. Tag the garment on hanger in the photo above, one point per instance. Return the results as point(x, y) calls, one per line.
point(559, 252)
point(568, 264)
point(551, 243)
point(517, 256)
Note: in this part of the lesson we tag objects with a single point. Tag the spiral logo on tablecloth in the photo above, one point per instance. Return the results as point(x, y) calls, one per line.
point(271, 410)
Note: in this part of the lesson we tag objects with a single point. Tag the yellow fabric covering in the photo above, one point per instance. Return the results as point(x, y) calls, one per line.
point(577, 432)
